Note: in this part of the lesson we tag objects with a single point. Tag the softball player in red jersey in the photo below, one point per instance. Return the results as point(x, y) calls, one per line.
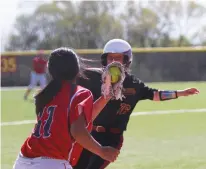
point(64, 111)
point(38, 74)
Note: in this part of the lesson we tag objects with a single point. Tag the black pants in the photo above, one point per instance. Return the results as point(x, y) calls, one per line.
point(89, 160)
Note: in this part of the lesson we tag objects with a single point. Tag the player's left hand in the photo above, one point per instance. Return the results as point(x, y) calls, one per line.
point(188, 92)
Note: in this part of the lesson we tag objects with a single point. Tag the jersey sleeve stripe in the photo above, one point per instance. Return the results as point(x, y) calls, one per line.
point(79, 91)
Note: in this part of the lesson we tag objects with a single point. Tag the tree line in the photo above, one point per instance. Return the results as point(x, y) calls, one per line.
point(90, 24)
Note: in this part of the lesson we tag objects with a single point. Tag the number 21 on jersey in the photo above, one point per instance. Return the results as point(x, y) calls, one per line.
point(42, 128)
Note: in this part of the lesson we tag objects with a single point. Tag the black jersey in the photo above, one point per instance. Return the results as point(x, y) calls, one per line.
point(116, 113)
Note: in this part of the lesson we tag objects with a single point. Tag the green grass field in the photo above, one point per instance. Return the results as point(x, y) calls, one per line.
point(166, 141)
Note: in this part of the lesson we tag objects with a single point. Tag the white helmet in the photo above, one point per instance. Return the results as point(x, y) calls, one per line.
point(117, 46)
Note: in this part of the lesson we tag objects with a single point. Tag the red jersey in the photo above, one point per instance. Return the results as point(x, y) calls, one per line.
point(39, 65)
point(51, 136)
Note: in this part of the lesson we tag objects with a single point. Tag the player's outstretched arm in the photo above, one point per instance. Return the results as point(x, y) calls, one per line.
point(83, 137)
point(163, 95)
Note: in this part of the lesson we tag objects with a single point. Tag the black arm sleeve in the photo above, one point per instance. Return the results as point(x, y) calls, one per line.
point(144, 91)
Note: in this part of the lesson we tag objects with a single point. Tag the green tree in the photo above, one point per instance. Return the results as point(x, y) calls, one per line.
point(141, 23)
point(25, 35)
point(90, 24)
point(63, 23)
point(178, 19)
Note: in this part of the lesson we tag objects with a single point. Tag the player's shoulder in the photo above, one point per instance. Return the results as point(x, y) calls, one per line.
point(82, 91)
point(44, 61)
point(74, 88)
point(133, 79)
point(81, 94)
point(35, 58)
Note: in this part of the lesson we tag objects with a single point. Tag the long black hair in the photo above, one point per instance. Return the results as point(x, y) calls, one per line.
point(63, 64)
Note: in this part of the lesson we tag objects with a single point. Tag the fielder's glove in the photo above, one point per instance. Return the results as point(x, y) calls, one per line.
point(110, 89)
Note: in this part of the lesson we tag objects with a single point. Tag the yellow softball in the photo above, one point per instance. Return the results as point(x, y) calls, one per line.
point(115, 74)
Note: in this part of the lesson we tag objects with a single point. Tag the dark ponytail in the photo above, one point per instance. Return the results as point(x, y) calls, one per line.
point(63, 65)
point(47, 94)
